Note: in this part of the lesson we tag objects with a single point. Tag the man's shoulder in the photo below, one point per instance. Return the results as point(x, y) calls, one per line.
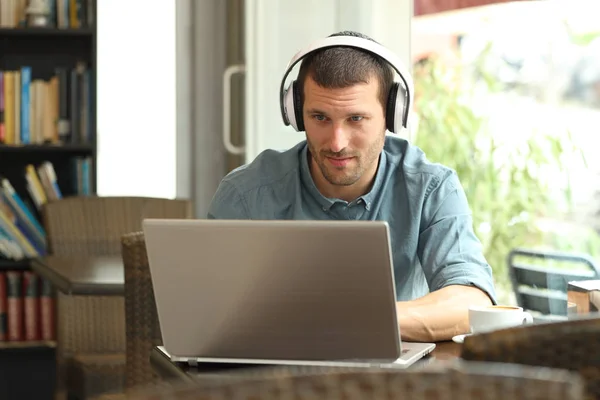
point(411, 161)
point(268, 168)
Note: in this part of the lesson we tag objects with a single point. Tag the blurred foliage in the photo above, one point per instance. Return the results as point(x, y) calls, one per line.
point(582, 39)
point(511, 185)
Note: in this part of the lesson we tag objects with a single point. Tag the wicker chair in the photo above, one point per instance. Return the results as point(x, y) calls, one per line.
point(141, 322)
point(91, 350)
point(464, 381)
point(572, 345)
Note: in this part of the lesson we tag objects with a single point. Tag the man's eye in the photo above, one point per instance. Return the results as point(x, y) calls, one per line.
point(356, 118)
point(319, 117)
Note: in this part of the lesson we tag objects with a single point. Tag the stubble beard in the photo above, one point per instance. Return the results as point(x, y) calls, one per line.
point(344, 176)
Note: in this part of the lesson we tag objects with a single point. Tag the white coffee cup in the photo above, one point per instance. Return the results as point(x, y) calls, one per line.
point(490, 318)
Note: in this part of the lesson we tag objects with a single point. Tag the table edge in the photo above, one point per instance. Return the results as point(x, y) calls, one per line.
point(110, 289)
point(75, 288)
point(57, 280)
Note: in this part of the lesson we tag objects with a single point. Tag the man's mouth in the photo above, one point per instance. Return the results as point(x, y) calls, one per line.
point(339, 161)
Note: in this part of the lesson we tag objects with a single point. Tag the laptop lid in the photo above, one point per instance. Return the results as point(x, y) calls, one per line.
point(303, 290)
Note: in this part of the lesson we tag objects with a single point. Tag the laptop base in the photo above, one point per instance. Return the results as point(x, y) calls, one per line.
point(411, 353)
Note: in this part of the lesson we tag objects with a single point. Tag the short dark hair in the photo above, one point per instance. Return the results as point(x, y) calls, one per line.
point(340, 67)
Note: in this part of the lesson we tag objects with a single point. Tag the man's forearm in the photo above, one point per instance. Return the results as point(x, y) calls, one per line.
point(439, 315)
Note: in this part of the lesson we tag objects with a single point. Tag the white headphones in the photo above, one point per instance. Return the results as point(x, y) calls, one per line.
point(399, 99)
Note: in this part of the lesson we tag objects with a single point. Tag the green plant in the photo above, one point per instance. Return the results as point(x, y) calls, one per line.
point(511, 184)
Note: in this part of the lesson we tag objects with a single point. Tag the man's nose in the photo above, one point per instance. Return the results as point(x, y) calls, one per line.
point(339, 138)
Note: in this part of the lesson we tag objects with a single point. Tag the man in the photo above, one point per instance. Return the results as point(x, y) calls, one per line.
point(349, 169)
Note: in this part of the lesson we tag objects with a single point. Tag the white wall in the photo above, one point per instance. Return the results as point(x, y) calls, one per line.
point(137, 135)
point(387, 21)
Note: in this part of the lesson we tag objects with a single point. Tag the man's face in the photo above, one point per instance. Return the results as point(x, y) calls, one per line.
point(345, 130)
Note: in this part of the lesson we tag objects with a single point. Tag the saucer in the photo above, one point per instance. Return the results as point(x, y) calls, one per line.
point(460, 338)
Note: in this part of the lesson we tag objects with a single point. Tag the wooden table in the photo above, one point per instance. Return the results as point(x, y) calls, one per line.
point(167, 369)
point(77, 275)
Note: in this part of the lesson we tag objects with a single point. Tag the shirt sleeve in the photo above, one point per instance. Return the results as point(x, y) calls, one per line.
point(227, 203)
point(449, 250)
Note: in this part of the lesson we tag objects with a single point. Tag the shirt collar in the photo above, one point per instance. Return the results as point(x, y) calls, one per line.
point(327, 203)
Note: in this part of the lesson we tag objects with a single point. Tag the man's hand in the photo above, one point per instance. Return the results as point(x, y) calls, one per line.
point(439, 315)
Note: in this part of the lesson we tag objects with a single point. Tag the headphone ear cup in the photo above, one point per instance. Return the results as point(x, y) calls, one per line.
point(390, 112)
point(298, 108)
point(401, 112)
point(289, 106)
point(396, 113)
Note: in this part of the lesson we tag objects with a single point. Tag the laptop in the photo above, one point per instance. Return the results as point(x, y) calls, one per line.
point(316, 293)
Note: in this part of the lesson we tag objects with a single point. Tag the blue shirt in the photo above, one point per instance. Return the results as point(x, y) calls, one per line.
point(433, 242)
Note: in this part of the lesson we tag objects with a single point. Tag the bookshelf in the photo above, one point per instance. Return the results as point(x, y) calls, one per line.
point(10, 265)
point(47, 151)
point(46, 33)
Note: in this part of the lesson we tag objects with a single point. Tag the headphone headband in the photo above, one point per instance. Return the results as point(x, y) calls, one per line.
point(355, 42)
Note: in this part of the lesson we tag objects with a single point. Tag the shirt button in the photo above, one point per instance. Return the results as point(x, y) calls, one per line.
point(324, 209)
